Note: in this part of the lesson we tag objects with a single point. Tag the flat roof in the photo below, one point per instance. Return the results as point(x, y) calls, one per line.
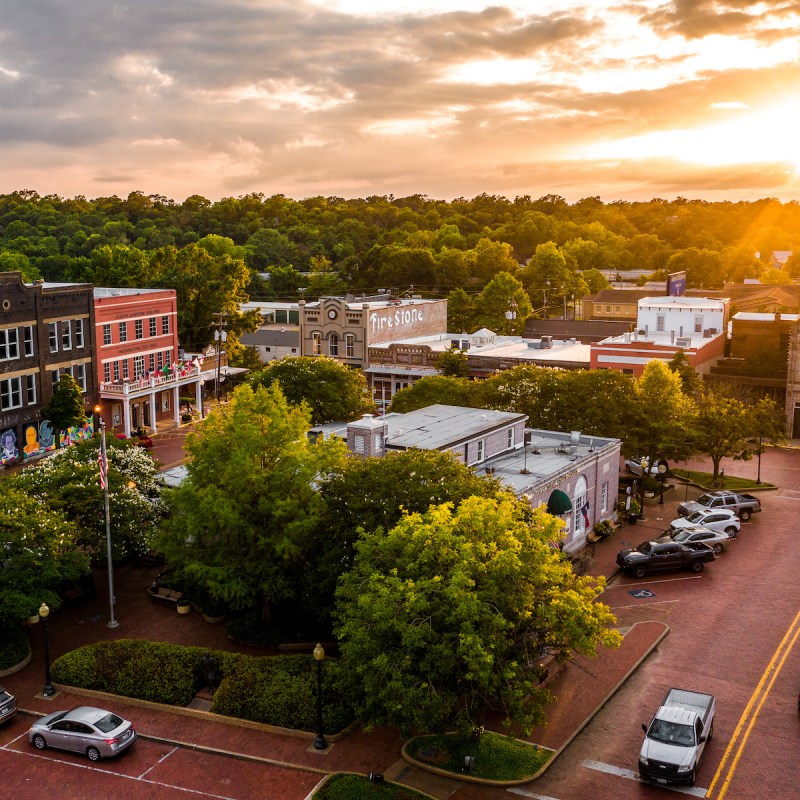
point(682, 301)
point(112, 291)
point(765, 316)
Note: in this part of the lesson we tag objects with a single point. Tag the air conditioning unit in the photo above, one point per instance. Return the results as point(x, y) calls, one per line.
point(683, 341)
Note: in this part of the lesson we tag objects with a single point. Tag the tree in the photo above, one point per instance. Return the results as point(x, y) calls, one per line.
point(661, 415)
point(690, 380)
point(69, 482)
point(503, 305)
point(442, 619)
point(332, 391)
point(65, 409)
point(725, 427)
point(245, 516)
point(436, 389)
point(453, 363)
point(371, 494)
point(323, 279)
point(39, 554)
point(460, 312)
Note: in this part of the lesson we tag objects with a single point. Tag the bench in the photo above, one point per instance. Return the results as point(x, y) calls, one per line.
point(162, 593)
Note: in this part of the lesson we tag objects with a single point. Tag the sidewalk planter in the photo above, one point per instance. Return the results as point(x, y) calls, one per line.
point(184, 606)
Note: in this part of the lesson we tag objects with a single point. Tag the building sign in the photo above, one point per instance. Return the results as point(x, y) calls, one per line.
point(676, 284)
point(407, 321)
point(401, 318)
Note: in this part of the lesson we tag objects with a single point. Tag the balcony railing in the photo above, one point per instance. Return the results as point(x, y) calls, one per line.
point(150, 381)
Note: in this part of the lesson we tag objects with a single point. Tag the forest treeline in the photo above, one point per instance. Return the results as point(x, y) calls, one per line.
point(327, 245)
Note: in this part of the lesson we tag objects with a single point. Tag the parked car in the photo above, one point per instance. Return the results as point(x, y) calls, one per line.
point(94, 731)
point(634, 465)
point(8, 705)
point(716, 540)
point(661, 556)
point(715, 519)
point(745, 505)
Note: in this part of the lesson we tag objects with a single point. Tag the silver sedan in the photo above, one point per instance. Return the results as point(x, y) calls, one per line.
point(93, 731)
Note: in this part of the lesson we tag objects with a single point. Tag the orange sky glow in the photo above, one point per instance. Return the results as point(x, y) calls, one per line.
point(627, 99)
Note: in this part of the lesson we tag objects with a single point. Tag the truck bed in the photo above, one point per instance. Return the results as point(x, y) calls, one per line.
point(692, 701)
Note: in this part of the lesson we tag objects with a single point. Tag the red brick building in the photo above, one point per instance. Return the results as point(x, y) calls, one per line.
point(141, 377)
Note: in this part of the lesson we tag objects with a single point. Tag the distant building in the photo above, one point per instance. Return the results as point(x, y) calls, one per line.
point(666, 325)
point(46, 331)
point(574, 476)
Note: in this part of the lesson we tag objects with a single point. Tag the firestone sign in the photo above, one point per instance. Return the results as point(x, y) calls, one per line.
point(400, 318)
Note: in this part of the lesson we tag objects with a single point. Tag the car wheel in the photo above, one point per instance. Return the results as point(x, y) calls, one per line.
point(718, 548)
point(691, 774)
point(697, 566)
point(731, 531)
point(745, 515)
point(93, 754)
point(710, 733)
point(39, 742)
point(639, 572)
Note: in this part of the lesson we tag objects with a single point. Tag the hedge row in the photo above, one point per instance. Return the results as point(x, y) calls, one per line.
point(276, 690)
point(14, 646)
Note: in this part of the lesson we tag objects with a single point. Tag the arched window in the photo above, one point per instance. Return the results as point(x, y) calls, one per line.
point(580, 505)
point(333, 344)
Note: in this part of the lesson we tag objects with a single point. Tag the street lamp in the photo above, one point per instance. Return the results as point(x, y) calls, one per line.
point(662, 476)
point(112, 623)
point(758, 476)
point(643, 464)
point(320, 743)
point(48, 691)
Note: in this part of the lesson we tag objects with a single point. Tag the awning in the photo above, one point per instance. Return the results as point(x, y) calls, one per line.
point(558, 503)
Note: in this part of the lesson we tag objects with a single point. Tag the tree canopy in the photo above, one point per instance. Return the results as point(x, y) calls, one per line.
point(444, 618)
point(245, 516)
point(331, 390)
point(65, 409)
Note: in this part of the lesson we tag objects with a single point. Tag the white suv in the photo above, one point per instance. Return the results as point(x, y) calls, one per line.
point(716, 519)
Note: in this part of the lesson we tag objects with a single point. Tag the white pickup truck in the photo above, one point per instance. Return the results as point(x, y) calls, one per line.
point(676, 738)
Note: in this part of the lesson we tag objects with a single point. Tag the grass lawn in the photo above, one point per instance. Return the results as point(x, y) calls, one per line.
point(497, 757)
point(357, 787)
point(730, 482)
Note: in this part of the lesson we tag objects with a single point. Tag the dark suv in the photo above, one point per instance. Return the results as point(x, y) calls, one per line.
point(8, 705)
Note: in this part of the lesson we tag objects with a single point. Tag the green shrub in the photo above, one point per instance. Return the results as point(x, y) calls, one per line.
point(249, 628)
point(14, 646)
point(356, 787)
point(497, 757)
point(281, 690)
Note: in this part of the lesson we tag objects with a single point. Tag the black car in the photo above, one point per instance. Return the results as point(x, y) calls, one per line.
point(659, 556)
point(8, 705)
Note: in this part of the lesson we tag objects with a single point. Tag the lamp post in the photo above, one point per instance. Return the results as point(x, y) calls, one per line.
point(96, 420)
point(643, 464)
point(48, 691)
point(320, 743)
point(112, 622)
point(662, 476)
point(758, 475)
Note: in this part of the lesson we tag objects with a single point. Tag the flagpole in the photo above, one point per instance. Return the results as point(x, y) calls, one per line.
point(112, 623)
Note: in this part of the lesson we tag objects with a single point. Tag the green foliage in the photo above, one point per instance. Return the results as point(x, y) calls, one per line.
point(281, 690)
point(39, 554)
point(503, 305)
point(497, 758)
point(14, 645)
point(439, 618)
point(358, 787)
point(245, 516)
point(69, 482)
point(436, 389)
point(331, 390)
point(453, 363)
point(65, 409)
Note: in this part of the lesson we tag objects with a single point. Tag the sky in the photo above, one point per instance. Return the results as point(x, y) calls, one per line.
point(621, 99)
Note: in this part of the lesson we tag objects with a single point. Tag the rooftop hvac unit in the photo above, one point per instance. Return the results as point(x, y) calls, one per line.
point(547, 342)
point(465, 344)
point(683, 341)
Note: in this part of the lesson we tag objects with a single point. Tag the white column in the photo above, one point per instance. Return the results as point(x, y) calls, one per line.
point(153, 411)
point(176, 404)
point(126, 416)
point(198, 396)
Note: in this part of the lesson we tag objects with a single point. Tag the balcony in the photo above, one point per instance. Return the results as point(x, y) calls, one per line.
point(153, 380)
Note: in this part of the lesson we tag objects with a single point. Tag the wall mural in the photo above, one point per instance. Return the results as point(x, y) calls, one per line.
point(39, 438)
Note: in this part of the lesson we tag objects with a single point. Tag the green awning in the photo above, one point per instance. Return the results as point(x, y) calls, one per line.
point(558, 503)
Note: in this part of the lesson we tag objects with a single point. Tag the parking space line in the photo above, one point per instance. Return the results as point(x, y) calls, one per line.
point(526, 793)
point(654, 603)
point(160, 761)
point(650, 583)
point(629, 774)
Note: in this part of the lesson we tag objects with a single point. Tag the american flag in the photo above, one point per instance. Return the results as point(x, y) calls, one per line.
point(103, 462)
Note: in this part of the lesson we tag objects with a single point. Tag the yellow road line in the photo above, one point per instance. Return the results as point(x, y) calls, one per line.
point(757, 699)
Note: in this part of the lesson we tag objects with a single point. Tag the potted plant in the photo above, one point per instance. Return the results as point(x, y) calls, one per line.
point(184, 606)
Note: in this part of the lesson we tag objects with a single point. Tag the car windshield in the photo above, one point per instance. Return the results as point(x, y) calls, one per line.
point(644, 547)
point(4, 696)
point(705, 499)
point(108, 723)
point(698, 516)
point(671, 733)
point(681, 536)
